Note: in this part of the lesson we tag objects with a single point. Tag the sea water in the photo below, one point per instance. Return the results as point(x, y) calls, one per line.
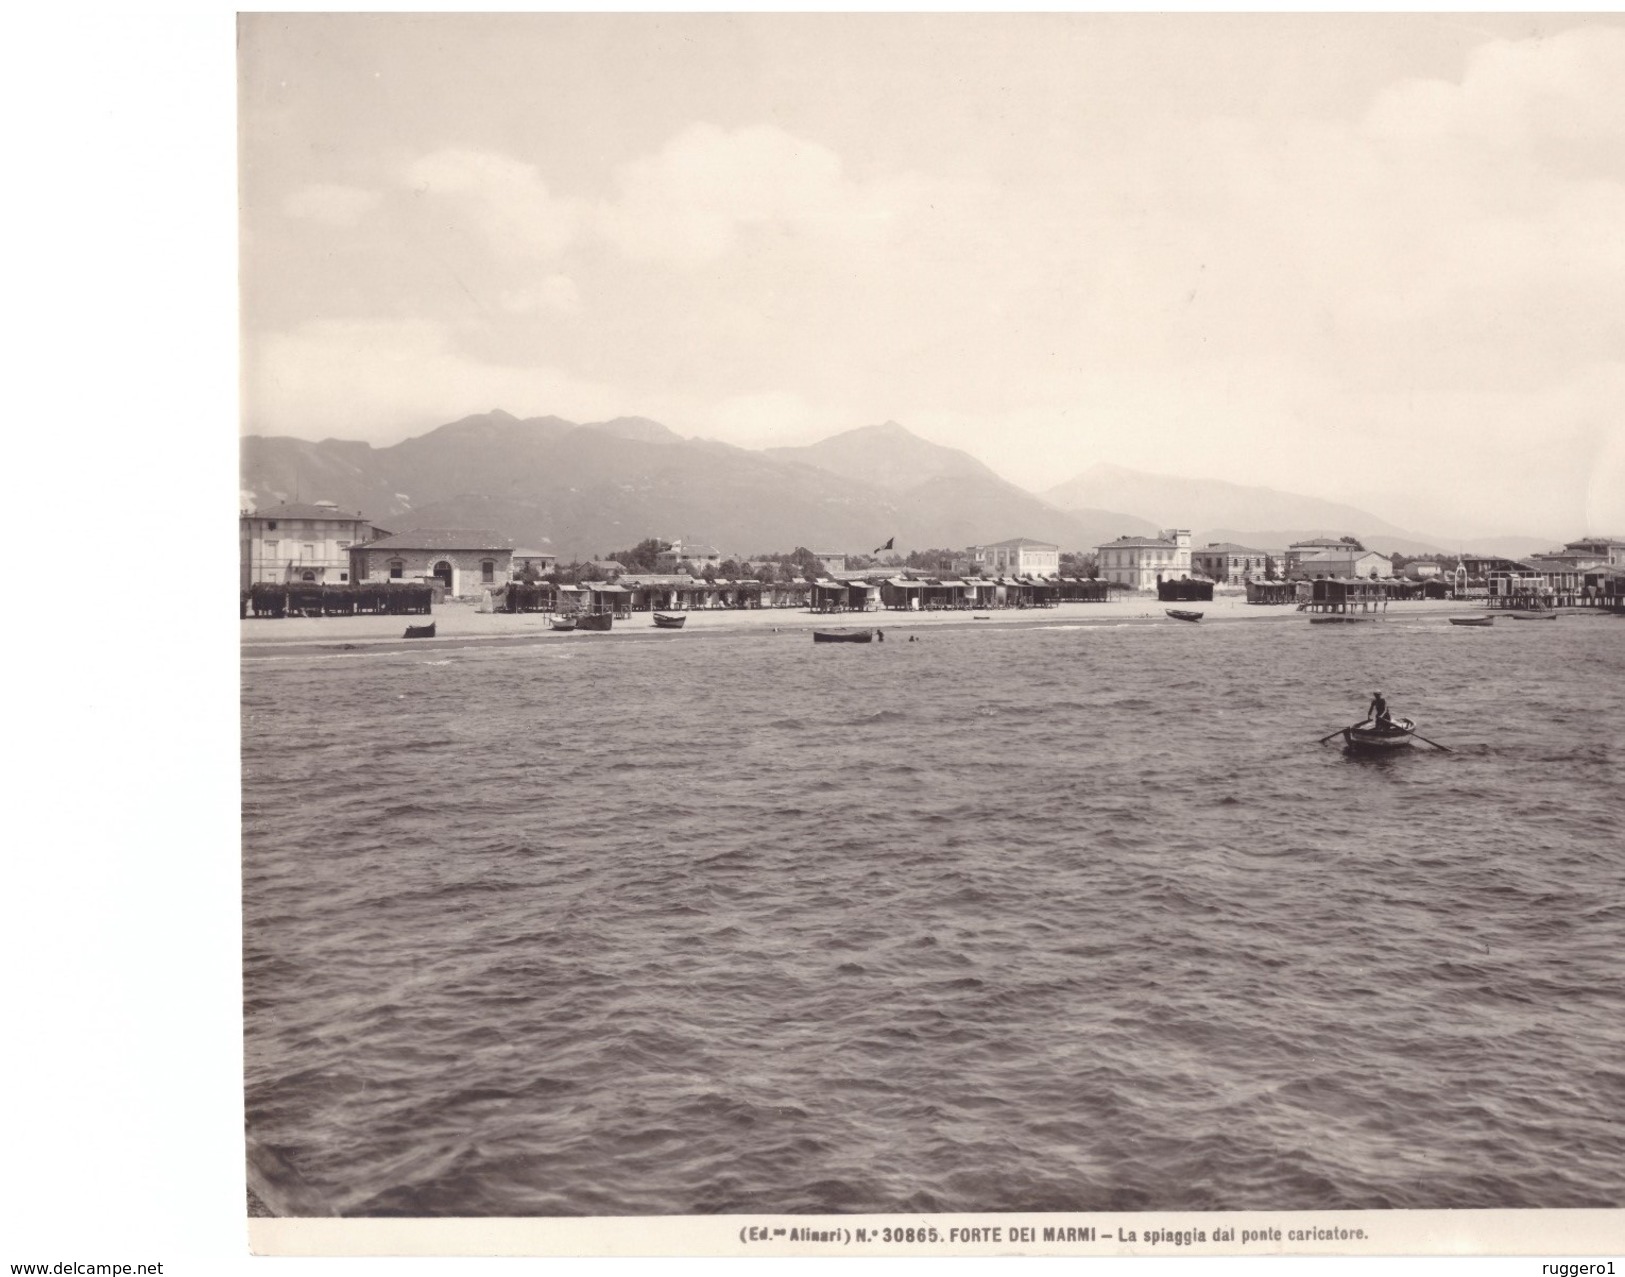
point(1011, 918)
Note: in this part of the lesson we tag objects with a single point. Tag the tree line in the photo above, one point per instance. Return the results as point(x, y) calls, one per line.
point(800, 564)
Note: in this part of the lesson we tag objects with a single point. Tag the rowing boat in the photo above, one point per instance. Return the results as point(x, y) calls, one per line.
point(843, 636)
point(1471, 620)
point(594, 620)
point(1379, 737)
point(664, 621)
point(1179, 614)
point(564, 624)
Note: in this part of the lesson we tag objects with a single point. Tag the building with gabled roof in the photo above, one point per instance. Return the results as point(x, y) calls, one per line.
point(1143, 563)
point(1019, 556)
point(680, 551)
point(1587, 552)
point(1298, 551)
point(462, 561)
point(299, 543)
point(1346, 564)
point(1227, 563)
point(541, 562)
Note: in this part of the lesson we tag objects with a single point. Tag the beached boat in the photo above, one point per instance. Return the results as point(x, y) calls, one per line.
point(420, 631)
point(1471, 620)
point(1534, 616)
point(843, 636)
point(595, 620)
point(1179, 614)
point(1377, 738)
point(564, 624)
point(1337, 618)
point(980, 617)
point(664, 621)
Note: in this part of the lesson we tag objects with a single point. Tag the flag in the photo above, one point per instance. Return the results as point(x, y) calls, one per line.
point(888, 544)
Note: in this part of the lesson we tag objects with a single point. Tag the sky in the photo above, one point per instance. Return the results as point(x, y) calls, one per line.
point(1372, 258)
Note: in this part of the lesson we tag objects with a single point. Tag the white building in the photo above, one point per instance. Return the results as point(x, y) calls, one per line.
point(464, 561)
point(1019, 556)
point(539, 561)
point(698, 553)
point(1142, 562)
point(1230, 564)
point(1589, 552)
point(294, 543)
point(1346, 563)
point(1298, 551)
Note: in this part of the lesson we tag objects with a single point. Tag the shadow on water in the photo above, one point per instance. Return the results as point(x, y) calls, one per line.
point(1369, 758)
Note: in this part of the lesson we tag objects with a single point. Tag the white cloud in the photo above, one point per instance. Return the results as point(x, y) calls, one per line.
point(1516, 92)
point(503, 200)
point(690, 203)
point(1436, 265)
point(333, 205)
point(397, 377)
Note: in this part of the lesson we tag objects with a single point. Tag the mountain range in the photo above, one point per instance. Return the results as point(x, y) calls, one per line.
point(584, 490)
point(1257, 516)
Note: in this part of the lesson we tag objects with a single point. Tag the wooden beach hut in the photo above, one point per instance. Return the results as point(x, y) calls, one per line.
point(1348, 595)
point(830, 596)
point(901, 594)
point(1271, 593)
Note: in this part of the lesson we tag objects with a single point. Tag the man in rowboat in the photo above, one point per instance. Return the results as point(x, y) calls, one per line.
point(1378, 712)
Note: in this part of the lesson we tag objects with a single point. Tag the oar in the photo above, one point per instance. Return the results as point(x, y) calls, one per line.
point(1338, 732)
point(1434, 743)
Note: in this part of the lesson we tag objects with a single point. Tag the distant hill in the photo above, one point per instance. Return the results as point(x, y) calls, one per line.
point(1265, 518)
point(1420, 543)
point(1213, 504)
point(887, 456)
point(584, 490)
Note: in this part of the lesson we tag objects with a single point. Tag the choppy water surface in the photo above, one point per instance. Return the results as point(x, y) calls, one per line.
point(1011, 918)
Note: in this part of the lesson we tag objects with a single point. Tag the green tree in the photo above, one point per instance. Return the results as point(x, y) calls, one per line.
point(1081, 563)
point(806, 562)
point(643, 556)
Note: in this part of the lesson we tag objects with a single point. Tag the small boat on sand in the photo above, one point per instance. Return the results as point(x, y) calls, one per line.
point(1180, 614)
point(595, 621)
point(1369, 737)
point(564, 624)
point(1471, 620)
point(843, 636)
point(1336, 618)
point(980, 616)
point(1534, 616)
point(420, 631)
point(665, 621)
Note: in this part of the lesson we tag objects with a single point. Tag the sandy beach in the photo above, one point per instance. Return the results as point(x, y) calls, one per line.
point(462, 623)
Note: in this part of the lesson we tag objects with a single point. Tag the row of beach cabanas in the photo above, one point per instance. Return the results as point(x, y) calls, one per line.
point(932, 594)
point(679, 593)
